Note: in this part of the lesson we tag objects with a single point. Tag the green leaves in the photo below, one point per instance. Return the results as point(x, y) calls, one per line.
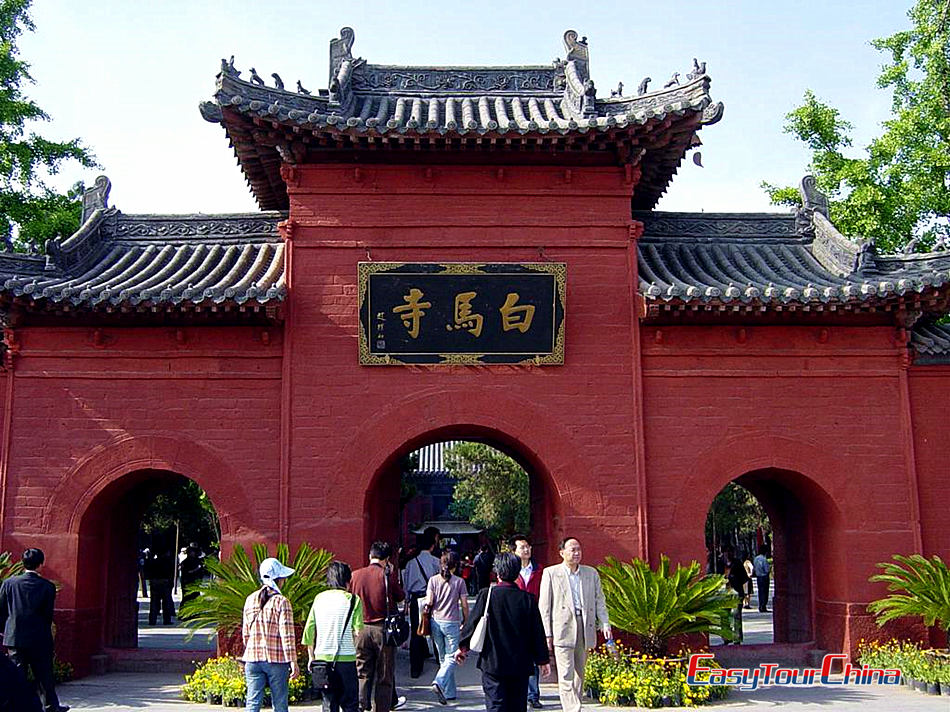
point(900, 188)
point(659, 605)
point(924, 586)
point(492, 489)
point(30, 211)
point(220, 603)
point(9, 567)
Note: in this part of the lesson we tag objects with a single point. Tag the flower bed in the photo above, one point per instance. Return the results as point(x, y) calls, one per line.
point(627, 678)
point(221, 681)
point(923, 670)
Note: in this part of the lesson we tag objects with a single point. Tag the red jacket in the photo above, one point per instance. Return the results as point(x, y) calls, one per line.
point(534, 581)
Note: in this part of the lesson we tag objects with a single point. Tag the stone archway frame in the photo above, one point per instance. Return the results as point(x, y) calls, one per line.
point(513, 424)
point(111, 461)
point(739, 455)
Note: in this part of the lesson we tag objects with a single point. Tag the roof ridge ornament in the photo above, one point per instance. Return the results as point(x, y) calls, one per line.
point(577, 52)
point(813, 201)
point(341, 49)
point(96, 197)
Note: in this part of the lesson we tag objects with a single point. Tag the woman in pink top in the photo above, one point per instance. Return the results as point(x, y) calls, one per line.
point(445, 594)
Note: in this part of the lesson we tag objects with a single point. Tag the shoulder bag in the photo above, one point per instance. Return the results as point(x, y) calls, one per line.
point(322, 681)
point(481, 628)
point(425, 612)
point(395, 625)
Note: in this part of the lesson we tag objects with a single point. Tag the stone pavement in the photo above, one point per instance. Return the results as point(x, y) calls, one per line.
point(158, 692)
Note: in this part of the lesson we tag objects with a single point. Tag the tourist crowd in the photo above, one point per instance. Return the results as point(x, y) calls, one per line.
point(354, 627)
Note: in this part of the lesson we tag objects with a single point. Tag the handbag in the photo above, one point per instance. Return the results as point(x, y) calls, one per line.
point(425, 621)
point(481, 628)
point(395, 625)
point(425, 613)
point(321, 679)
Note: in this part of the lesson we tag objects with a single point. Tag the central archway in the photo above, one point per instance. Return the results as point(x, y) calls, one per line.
point(383, 504)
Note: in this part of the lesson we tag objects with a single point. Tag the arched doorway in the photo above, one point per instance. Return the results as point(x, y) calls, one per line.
point(804, 547)
point(385, 498)
point(110, 538)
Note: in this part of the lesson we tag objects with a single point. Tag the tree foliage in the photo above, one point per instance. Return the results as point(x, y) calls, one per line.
point(492, 489)
point(185, 505)
point(31, 212)
point(658, 605)
point(899, 190)
point(919, 587)
point(734, 518)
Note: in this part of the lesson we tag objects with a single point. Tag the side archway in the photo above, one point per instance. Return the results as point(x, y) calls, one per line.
point(98, 506)
point(808, 544)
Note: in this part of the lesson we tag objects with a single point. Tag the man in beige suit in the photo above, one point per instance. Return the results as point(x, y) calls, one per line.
point(572, 609)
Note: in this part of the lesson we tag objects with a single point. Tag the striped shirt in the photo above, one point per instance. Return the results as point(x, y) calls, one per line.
point(324, 627)
point(268, 632)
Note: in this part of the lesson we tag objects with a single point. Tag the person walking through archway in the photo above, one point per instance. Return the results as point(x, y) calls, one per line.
point(335, 618)
point(761, 568)
point(513, 642)
point(160, 567)
point(446, 603)
point(270, 648)
point(572, 607)
point(26, 619)
point(737, 578)
point(529, 580)
point(419, 569)
point(378, 587)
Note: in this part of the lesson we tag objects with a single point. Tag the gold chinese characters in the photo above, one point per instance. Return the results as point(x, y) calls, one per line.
point(514, 316)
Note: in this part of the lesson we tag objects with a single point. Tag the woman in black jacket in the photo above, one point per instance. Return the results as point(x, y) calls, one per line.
point(514, 643)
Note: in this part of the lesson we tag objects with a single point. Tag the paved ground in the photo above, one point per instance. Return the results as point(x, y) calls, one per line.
point(158, 692)
point(171, 637)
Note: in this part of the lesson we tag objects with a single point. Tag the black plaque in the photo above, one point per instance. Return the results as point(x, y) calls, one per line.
point(461, 313)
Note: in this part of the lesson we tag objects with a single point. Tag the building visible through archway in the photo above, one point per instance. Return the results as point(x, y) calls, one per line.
point(421, 463)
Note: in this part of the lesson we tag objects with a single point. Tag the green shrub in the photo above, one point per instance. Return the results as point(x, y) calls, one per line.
point(920, 588)
point(657, 606)
point(9, 567)
point(909, 658)
point(220, 600)
point(224, 677)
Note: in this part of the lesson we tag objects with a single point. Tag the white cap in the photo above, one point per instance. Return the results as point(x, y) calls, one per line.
point(271, 570)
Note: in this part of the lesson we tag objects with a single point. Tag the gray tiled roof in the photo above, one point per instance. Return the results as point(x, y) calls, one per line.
point(772, 259)
point(931, 341)
point(143, 261)
point(528, 108)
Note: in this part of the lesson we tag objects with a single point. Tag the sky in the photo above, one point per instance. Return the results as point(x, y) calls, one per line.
point(127, 77)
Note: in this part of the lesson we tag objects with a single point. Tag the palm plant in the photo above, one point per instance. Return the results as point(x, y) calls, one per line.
point(924, 586)
point(9, 567)
point(658, 605)
point(220, 601)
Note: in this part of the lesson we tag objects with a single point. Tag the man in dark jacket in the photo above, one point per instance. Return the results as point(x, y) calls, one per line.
point(16, 694)
point(26, 617)
point(529, 580)
point(514, 643)
point(483, 566)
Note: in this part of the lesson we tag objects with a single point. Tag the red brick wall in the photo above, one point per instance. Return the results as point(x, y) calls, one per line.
point(86, 416)
point(719, 405)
